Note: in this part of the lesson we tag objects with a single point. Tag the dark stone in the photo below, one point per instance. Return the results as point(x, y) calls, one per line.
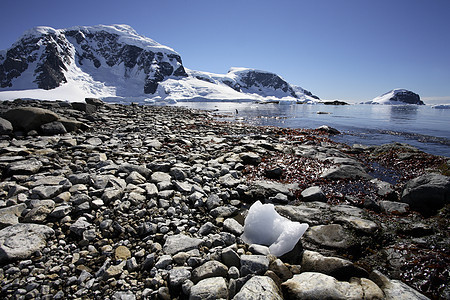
point(29, 118)
point(335, 102)
point(94, 101)
point(427, 193)
point(53, 128)
point(84, 107)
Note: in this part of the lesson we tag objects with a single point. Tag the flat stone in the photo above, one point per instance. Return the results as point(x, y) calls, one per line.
point(345, 172)
point(337, 267)
point(180, 242)
point(315, 286)
point(394, 207)
point(24, 167)
point(362, 225)
point(333, 236)
point(10, 215)
point(20, 241)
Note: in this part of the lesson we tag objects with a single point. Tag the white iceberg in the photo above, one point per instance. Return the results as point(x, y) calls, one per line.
point(265, 226)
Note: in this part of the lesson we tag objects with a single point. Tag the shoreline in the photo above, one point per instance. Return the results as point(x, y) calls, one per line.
point(114, 193)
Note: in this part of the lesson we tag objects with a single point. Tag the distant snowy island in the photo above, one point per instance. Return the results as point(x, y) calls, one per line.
point(115, 63)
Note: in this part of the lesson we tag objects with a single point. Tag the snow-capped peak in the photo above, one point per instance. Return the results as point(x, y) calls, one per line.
point(115, 61)
point(396, 97)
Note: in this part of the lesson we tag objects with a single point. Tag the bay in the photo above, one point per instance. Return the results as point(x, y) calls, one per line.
point(424, 127)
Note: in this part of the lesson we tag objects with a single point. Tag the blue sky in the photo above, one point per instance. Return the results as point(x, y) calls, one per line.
point(351, 50)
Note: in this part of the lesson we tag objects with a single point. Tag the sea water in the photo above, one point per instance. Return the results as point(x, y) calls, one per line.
point(424, 127)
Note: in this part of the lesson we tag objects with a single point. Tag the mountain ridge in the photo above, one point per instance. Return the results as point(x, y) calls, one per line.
point(114, 61)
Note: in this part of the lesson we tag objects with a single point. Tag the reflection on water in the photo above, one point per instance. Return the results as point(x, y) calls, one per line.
point(403, 112)
point(421, 126)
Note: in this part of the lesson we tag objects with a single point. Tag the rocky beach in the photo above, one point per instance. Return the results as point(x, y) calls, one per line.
point(112, 201)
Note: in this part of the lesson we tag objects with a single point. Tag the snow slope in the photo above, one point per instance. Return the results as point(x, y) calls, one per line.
point(397, 97)
point(116, 63)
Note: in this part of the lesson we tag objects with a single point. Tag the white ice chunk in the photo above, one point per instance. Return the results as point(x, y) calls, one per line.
point(265, 226)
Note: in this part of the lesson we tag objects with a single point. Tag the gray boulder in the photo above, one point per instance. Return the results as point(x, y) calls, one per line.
point(53, 128)
point(314, 193)
point(20, 241)
point(5, 126)
point(337, 267)
point(180, 242)
point(210, 289)
point(395, 289)
point(209, 269)
point(254, 264)
point(261, 288)
point(311, 285)
point(29, 118)
point(427, 193)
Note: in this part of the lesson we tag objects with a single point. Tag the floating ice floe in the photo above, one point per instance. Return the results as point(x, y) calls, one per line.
point(265, 226)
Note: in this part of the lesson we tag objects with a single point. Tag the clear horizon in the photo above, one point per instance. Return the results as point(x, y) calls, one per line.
point(339, 50)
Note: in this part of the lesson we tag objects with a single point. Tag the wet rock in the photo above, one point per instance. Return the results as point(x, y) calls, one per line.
point(385, 190)
point(209, 289)
point(345, 172)
point(394, 207)
point(328, 129)
point(250, 158)
point(395, 289)
point(427, 193)
point(333, 236)
point(20, 241)
point(259, 287)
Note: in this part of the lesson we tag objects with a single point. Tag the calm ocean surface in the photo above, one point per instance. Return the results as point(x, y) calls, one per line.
point(424, 127)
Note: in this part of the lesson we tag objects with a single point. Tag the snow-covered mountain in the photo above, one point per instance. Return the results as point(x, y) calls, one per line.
point(114, 62)
point(397, 97)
